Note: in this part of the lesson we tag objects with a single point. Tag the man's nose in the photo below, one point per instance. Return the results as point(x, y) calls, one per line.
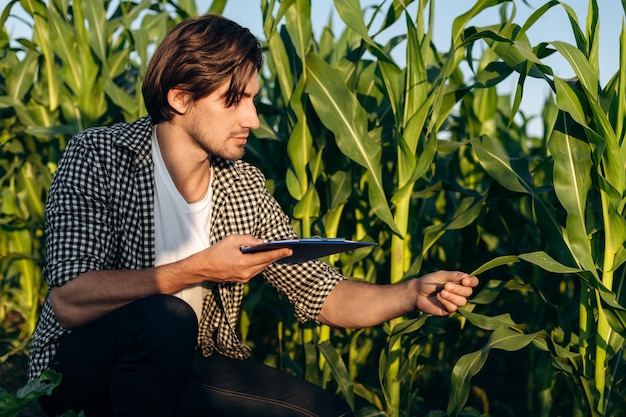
point(250, 118)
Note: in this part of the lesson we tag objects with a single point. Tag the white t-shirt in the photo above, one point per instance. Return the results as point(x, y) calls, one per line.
point(181, 229)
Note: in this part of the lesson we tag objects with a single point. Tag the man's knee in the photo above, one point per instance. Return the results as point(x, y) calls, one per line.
point(162, 324)
point(167, 318)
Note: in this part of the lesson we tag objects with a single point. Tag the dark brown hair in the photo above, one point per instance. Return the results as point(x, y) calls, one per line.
point(197, 56)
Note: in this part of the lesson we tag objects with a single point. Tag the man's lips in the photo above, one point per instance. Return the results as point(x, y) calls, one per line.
point(241, 136)
point(240, 140)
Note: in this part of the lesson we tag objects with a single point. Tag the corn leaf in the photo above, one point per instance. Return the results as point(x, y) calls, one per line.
point(21, 77)
point(341, 113)
point(298, 24)
point(352, 15)
point(586, 73)
point(572, 166)
point(469, 365)
point(339, 371)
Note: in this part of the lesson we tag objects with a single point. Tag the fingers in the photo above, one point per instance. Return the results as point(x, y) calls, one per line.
point(460, 288)
point(452, 290)
point(249, 265)
point(224, 261)
point(453, 295)
point(470, 281)
point(458, 277)
point(452, 280)
point(452, 301)
point(240, 240)
point(266, 258)
point(258, 258)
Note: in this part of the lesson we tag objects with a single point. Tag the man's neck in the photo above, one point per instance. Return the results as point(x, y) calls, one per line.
point(188, 165)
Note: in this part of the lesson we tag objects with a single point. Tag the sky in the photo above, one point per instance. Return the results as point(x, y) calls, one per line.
point(554, 25)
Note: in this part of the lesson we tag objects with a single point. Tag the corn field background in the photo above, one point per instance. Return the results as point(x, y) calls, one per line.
point(426, 157)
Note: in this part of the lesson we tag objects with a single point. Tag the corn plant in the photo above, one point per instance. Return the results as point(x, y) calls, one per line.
point(579, 211)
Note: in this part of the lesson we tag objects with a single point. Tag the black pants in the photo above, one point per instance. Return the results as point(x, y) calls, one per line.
point(140, 361)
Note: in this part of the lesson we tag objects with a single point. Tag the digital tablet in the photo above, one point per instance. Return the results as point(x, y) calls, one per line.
point(308, 248)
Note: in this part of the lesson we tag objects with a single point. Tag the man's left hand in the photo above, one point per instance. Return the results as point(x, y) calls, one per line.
point(443, 292)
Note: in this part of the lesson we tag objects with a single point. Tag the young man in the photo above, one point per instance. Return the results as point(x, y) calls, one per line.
point(144, 227)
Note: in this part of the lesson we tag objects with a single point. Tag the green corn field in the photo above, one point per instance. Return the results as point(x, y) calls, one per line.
point(425, 157)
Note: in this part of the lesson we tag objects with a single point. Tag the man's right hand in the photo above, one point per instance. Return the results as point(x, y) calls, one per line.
point(224, 261)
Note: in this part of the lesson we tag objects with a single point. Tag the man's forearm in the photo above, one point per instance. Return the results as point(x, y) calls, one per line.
point(93, 294)
point(354, 304)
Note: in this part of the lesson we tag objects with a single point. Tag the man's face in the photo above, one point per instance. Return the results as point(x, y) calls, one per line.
point(220, 130)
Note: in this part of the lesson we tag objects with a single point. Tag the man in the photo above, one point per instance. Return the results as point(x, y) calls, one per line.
point(144, 226)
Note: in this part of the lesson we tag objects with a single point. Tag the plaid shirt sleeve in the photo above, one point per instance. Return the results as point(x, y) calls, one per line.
point(79, 236)
point(98, 216)
point(305, 285)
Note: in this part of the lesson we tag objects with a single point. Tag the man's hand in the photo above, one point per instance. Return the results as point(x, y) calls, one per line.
point(443, 292)
point(224, 261)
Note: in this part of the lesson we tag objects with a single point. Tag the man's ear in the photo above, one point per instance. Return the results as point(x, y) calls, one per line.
point(180, 100)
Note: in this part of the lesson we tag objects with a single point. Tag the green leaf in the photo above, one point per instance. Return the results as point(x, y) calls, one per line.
point(11, 405)
point(20, 79)
point(493, 263)
point(120, 97)
point(298, 24)
point(308, 206)
point(568, 100)
point(467, 211)
point(406, 327)
point(341, 113)
point(300, 145)
point(459, 24)
point(417, 87)
point(572, 180)
point(188, 8)
point(352, 15)
point(613, 158)
point(469, 365)
point(61, 38)
point(494, 159)
point(392, 78)
point(547, 263)
point(293, 185)
point(281, 65)
point(42, 35)
point(338, 368)
point(490, 322)
point(340, 188)
point(489, 292)
point(586, 73)
point(98, 36)
point(311, 371)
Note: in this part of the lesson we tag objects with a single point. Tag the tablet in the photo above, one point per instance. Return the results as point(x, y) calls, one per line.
point(308, 248)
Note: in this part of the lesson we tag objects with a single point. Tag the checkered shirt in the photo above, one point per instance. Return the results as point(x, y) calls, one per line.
point(100, 216)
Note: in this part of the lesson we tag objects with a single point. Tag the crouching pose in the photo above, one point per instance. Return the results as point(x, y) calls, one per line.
point(144, 225)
